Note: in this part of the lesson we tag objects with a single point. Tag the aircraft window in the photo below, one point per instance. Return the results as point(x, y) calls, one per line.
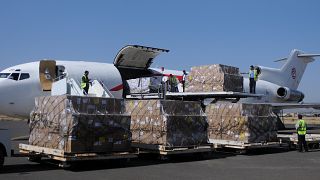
point(24, 76)
point(14, 76)
point(4, 75)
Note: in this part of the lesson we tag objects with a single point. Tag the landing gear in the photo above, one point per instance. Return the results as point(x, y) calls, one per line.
point(2, 154)
point(34, 158)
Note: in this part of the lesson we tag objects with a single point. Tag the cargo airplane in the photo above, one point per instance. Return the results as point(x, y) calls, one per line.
point(20, 84)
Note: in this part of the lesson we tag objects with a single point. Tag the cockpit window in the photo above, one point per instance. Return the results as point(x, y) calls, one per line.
point(4, 75)
point(14, 76)
point(24, 76)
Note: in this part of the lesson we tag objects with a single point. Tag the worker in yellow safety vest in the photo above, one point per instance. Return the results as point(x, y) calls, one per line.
point(301, 128)
point(85, 82)
point(173, 83)
point(253, 78)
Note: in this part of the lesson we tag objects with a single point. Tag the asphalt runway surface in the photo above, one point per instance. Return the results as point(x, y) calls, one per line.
point(262, 164)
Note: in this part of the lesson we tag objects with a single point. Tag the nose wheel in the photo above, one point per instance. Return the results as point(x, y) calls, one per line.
point(1, 158)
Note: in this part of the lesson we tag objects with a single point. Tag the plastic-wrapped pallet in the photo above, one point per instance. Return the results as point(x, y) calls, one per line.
point(167, 123)
point(216, 77)
point(139, 85)
point(80, 124)
point(248, 123)
point(145, 85)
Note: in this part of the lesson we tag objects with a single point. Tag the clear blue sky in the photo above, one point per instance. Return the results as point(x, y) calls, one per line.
point(238, 33)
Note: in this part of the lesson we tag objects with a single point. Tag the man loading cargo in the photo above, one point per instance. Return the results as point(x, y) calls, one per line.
point(173, 83)
point(85, 82)
point(253, 77)
point(184, 76)
point(301, 127)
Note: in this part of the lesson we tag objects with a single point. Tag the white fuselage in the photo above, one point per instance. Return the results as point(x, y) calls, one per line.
point(17, 96)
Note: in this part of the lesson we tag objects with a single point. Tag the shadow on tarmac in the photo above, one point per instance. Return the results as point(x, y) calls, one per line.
point(27, 168)
point(146, 160)
point(264, 151)
point(143, 160)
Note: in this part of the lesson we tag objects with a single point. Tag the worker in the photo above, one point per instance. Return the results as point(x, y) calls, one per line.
point(301, 128)
point(184, 76)
point(85, 82)
point(253, 77)
point(173, 83)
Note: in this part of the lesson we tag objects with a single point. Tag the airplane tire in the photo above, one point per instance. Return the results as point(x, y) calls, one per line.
point(1, 158)
point(36, 159)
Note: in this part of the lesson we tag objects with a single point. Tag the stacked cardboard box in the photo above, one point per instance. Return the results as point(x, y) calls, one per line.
point(80, 124)
point(167, 123)
point(145, 84)
point(139, 85)
point(248, 123)
point(214, 77)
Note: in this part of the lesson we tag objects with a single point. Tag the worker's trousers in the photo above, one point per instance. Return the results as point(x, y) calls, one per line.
point(85, 90)
point(174, 88)
point(183, 85)
point(252, 85)
point(302, 143)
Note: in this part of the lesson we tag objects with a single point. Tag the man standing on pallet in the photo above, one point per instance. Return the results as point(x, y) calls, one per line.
point(253, 77)
point(301, 127)
point(184, 76)
point(85, 82)
point(173, 83)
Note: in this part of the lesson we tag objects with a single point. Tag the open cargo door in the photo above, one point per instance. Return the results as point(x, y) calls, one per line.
point(47, 73)
point(133, 61)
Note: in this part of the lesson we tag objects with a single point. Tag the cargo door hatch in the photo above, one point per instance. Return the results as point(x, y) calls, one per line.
point(47, 74)
point(133, 61)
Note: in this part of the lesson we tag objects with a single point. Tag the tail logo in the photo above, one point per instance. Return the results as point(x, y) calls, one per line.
point(293, 73)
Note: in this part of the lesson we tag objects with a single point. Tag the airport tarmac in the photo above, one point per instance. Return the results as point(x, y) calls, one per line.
point(259, 164)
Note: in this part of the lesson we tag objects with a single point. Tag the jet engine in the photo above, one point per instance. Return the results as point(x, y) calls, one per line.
point(289, 94)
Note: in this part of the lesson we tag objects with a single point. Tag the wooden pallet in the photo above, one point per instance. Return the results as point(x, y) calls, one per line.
point(217, 143)
point(169, 150)
point(293, 138)
point(60, 155)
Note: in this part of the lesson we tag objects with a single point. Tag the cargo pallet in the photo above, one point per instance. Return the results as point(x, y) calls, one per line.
point(313, 140)
point(35, 153)
point(170, 150)
point(242, 146)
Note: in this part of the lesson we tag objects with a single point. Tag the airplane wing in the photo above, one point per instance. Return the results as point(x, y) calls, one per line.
point(236, 96)
point(207, 95)
point(281, 106)
point(133, 61)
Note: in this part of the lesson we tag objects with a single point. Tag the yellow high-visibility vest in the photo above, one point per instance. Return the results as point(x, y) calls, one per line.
point(302, 127)
point(84, 81)
point(255, 74)
point(173, 80)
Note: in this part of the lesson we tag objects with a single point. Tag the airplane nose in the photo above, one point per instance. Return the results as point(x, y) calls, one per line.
point(3, 97)
point(3, 94)
point(9, 96)
point(17, 97)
